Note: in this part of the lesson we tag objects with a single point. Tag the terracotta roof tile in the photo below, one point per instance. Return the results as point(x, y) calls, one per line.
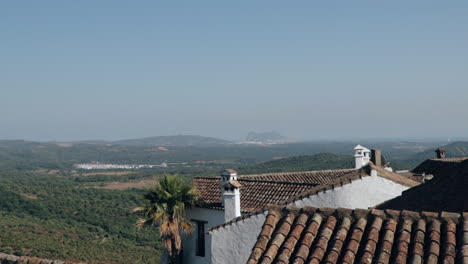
point(255, 195)
point(386, 245)
point(403, 241)
point(258, 191)
point(311, 235)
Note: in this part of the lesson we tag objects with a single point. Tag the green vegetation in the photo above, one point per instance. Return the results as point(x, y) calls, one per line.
point(456, 149)
point(53, 217)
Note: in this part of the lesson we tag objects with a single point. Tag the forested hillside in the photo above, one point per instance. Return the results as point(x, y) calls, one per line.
point(322, 161)
point(456, 149)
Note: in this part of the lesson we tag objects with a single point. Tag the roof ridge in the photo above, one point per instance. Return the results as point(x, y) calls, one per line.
point(342, 180)
point(263, 181)
point(392, 176)
point(278, 182)
point(207, 177)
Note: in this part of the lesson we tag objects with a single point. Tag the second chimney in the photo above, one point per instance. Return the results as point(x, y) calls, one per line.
point(440, 153)
point(376, 157)
point(230, 194)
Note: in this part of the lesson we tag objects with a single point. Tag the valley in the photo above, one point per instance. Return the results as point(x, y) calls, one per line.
point(51, 208)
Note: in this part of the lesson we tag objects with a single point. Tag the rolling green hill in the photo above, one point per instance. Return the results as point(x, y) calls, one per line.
point(322, 161)
point(456, 149)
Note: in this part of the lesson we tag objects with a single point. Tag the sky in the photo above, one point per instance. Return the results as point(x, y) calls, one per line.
point(75, 70)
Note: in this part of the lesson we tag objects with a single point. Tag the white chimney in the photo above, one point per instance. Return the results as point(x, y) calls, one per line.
point(230, 195)
point(361, 156)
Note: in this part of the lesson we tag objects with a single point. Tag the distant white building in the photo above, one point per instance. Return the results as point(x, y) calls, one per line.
point(231, 198)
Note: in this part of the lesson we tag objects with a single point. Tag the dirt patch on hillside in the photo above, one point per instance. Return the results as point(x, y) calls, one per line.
point(141, 184)
point(29, 196)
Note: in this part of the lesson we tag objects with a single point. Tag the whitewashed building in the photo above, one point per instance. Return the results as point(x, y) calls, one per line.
point(233, 210)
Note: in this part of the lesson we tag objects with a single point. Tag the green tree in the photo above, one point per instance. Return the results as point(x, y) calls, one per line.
point(165, 206)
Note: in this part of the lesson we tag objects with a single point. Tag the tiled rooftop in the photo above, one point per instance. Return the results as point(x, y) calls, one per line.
point(311, 235)
point(256, 193)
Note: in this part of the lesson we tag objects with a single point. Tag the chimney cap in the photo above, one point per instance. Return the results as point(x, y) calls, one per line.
point(232, 183)
point(442, 150)
point(229, 172)
point(359, 147)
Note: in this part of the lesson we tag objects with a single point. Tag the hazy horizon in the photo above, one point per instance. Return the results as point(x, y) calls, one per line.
point(112, 70)
point(447, 140)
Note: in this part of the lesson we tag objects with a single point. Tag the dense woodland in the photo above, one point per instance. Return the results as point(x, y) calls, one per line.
point(51, 210)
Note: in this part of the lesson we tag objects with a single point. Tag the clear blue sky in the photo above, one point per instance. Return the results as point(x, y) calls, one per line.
point(73, 70)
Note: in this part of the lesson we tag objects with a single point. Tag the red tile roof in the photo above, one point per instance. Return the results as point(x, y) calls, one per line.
point(256, 193)
point(311, 235)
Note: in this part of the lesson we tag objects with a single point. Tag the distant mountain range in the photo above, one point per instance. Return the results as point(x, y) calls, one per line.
point(264, 136)
point(173, 141)
point(325, 161)
point(178, 140)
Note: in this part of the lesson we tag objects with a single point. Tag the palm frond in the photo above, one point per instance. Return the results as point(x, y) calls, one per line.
point(165, 205)
point(138, 209)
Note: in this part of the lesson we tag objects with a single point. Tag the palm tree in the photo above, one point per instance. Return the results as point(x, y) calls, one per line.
point(165, 205)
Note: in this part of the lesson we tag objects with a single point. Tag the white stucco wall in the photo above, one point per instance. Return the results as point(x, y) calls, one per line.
point(233, 243)
point(364, 193)
point(214, 218)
